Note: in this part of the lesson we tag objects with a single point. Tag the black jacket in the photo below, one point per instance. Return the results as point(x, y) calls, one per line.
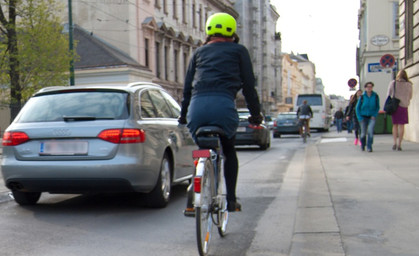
point(221, 68)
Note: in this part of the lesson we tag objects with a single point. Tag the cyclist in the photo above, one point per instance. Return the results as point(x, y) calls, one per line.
point(304, 114)
point(216, 72)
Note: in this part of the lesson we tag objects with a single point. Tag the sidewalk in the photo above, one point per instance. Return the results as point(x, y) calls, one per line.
point(342, 201)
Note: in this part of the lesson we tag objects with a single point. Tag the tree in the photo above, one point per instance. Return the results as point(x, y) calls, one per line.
point(33, 50)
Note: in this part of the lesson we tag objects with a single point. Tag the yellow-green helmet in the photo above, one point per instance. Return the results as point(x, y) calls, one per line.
point(221, 24)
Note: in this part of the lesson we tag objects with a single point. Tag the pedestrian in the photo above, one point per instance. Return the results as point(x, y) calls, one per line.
point(216, 72)
point(367, 109)
point(349, 123)
point(401, 88)
point(351, 115)
point(339, 119)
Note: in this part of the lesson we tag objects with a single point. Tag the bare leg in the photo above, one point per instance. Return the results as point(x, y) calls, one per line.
point(401, 134)
point(395, 132)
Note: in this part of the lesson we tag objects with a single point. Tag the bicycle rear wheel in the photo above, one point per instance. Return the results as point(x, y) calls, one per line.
point(203, 212)
point(222, 216)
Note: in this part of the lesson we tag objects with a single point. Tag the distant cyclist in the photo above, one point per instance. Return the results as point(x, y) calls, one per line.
point(216, 72)
point(304, 114)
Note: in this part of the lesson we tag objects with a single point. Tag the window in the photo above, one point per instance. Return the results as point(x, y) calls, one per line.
point(174, 106)
point(183, 11)
point(174, 10)
point(158, 71)
point(396, 25)
point(147, 107)
point(176, 66)
point(193, 16)
point(160, 104)
point(147, 61)
point(166, 63)
point(95, 104)
point(408, 30)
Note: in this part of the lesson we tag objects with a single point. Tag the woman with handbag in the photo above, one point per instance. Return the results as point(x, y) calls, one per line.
point(400, 88)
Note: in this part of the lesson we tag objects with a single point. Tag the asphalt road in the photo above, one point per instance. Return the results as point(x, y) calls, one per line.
point(62, 225)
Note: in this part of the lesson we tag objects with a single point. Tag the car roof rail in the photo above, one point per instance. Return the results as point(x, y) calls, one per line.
point(142, 84)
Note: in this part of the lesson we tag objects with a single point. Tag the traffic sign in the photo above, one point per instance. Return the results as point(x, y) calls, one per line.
point(387, 61)
point(352, 82)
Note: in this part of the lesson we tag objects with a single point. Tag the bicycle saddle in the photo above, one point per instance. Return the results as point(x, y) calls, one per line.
point(209, 130)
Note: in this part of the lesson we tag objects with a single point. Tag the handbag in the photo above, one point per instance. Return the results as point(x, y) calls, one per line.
point(392, 103)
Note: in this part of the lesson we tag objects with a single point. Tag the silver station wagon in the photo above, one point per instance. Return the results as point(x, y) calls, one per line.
point(98, 138)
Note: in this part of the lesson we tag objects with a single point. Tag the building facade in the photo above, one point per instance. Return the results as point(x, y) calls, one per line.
point(257, 31)
point(378, 23)
point(160, 35)
point(409, 59)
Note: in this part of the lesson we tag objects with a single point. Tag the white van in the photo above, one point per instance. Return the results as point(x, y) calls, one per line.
point(320, 105)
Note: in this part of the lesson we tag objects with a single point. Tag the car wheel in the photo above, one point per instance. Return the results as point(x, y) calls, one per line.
point(277, 135)
point(26, 198)
point(159, 197)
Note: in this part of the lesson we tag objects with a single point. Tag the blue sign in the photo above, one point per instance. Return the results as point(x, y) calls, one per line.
point(376, 67)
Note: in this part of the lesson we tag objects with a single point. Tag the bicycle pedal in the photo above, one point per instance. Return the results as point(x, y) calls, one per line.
point(189, 212)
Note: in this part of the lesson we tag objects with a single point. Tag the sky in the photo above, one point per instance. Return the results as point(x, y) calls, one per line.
point(327, 31)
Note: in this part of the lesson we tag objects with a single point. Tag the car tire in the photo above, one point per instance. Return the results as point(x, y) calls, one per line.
point(159, 197)
point(277, 135)
point(26, 198)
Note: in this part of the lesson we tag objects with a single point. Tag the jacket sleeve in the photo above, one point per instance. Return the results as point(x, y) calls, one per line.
point(187, 88)
point(390, 89)
point(248, 83)
point(377, 105)
point(358, 108)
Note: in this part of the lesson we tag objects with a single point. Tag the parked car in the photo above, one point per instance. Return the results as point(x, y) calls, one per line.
point(248, 134)
point(97, 138)
point(286, 123)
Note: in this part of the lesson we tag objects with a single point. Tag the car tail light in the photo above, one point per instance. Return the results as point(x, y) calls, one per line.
point(197, 184)
point(14, 138)
point(275, 124)
point(123, 136)
point(256, 127)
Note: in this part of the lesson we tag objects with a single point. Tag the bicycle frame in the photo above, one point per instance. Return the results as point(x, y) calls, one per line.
point(209, 199)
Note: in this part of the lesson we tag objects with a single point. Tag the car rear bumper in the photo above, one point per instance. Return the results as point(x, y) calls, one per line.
point(78, 177)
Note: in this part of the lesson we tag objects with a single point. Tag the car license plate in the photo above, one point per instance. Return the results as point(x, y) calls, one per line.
point(57, 148)
point(241, 129)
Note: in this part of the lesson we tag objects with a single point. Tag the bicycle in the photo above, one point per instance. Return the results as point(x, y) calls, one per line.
point(304, 132)
point(209, 191)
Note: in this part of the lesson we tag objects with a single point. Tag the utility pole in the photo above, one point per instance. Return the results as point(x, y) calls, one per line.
point(70, 28)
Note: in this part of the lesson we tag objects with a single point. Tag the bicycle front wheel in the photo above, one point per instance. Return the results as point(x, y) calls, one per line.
point(203, 211)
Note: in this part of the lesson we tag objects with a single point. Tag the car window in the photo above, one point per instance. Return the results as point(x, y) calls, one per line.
point(147, 107)
point(54, 107)
point(287, 116)
point(174, 106)
point(161, 105)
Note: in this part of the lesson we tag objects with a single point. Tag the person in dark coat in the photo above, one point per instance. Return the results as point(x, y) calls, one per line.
point(216, 72)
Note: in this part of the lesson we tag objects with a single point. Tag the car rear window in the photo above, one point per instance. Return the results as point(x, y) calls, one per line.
point(92, 104)
point(287, 116)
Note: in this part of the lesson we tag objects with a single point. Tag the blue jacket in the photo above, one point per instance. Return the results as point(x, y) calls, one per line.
point(367, 106)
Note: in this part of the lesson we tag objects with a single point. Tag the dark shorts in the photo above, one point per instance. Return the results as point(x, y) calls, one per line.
point(400, 116)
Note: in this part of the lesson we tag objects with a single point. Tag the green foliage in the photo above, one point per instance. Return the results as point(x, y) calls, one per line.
point(43, 53)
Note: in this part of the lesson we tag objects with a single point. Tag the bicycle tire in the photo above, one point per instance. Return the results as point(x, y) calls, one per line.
point(222, 215)
point(203, 212)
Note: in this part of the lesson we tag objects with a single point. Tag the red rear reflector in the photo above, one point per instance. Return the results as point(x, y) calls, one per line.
point(123, 136)
point(201, 153)
point(197, 184)
point(14, 138)
point(256, 127)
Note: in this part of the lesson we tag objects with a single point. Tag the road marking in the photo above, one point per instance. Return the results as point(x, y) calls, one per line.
point(333, 140)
